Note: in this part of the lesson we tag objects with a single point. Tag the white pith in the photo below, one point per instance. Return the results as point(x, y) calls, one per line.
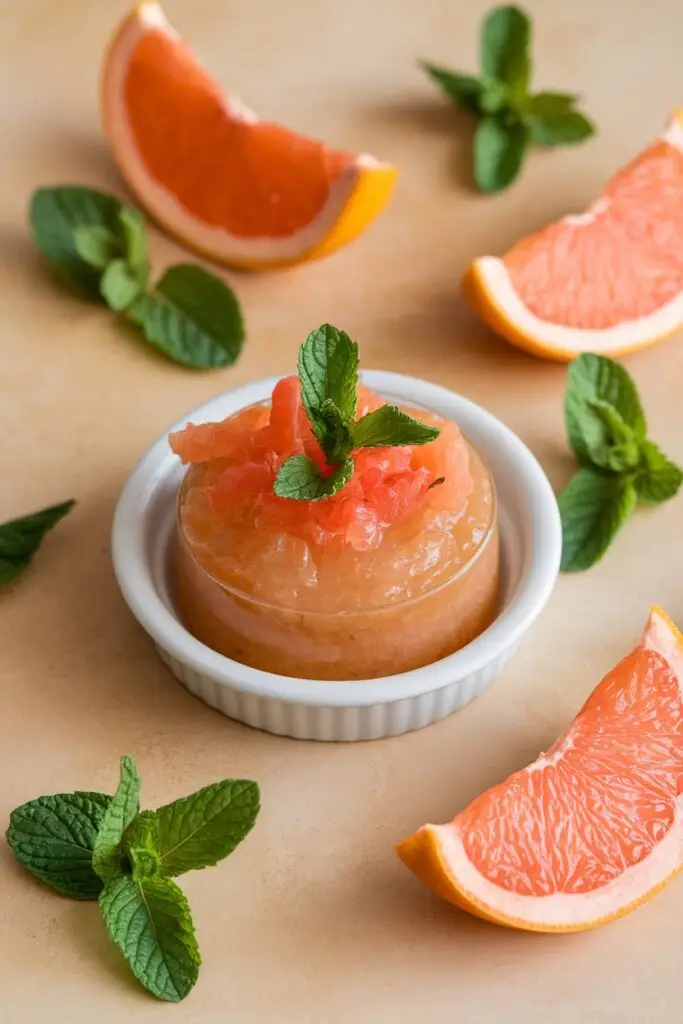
point(576, 909)
point(495, 280)
point(215, 241)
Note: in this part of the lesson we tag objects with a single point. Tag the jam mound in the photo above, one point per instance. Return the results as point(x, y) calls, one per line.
point(407, 520)
point(396, 570)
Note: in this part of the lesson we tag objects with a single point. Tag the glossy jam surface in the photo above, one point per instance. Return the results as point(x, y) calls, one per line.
point(397, 570)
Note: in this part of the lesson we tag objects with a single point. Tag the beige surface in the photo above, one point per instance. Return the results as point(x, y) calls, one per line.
point(313, 919)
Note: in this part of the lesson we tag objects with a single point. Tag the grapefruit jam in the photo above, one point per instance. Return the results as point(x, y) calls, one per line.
point(397, 570)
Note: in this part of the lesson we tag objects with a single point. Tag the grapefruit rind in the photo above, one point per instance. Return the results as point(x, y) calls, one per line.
point(436, 854)
point(488, 287)
point(356, 196)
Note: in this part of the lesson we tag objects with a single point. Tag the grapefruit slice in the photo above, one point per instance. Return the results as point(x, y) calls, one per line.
point(241, 191)
point(609, 280)
point(592, 828)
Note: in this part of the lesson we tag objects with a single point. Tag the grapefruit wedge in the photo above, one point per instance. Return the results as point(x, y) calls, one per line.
point(593, 827)
point(241, 191)
point(609, 280)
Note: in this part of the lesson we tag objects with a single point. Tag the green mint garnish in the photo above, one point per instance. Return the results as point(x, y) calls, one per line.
point(21, 538)
point(92, 846)
point(329, 375)
point(300, 479)
point(198, 831)
point(150, 922)
point(99, 247)
point(54, 836)
point(510, 118)
point(607, 430)
point(123, 809)
point(389, 426)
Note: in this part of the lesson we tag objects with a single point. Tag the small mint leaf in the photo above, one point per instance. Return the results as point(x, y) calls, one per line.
point(658, 479)
point(21, 538)
point(390, 426)
point(464, 90)
point(594, 383)
point(135, 237)
point(53, 837)
point(300, 479)
point(328, 371)
point(96, 245)
point(546, 105)
point(505, 38)
point(200, 830)
point(119, 285)
point(562, 129)
point(140, 846)
point(593, 507)
point(494, 98)
point(499, 150)
point(333, 433)
point(150, 922)
point(124, 806)
point(193, 318)
point(56, 215)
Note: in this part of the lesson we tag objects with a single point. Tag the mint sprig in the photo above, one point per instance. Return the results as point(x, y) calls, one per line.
point(21, 538)
point(607, 430)
point(510, 117)
point(99, 247)
point(93, 846)
point(328, 369)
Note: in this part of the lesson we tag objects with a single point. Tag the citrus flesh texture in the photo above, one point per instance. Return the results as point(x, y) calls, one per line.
point(386, 536)
point(245, 192)
point(590, 829)
point(609, 280)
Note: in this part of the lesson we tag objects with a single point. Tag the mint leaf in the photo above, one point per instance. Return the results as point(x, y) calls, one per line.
point(328, 371)
point(124, 806)
point(199, 830)
point(562, 129)
point(150, 922)
point(388, 425)
point(193, 318)
point(333, 433)
point(546, 105)
point(53, 837)
point(463, 90)
point(119, 285)
point(505, 48)
point(135, 239)
point(96, 245)
point(593, 507)
point(21, 538)
point(658, 479)
point(300, 479)
point(499, 150)
point(494, 98)
point(56, 214)
point(594, 383)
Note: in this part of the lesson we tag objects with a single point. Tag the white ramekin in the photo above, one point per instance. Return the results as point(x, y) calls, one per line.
point(359, 709)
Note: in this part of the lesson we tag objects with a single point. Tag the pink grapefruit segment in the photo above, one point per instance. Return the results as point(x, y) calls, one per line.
point(245, 192)
point(608, 280)
point(594, 826)
point(246, 451)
